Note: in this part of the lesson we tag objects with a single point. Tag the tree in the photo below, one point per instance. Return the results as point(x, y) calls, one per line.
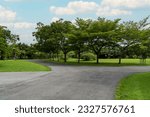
point(45, 38)
point(101, 34)
point(3, 46)
point(6, 38)
point(103, 37)
point(144, 27)
point(131, 34)
point(78, 36)
point(61, 29)
point(127, 36)
point(13, 43)
point(3, 42)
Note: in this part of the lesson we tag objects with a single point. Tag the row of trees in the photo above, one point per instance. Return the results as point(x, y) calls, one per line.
point(11, 49)
point(97, 36)
point(101, 37)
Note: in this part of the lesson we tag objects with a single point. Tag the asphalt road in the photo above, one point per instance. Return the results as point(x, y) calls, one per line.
point(65, 83)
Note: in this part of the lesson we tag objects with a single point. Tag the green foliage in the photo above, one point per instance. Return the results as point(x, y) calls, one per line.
point(40, 55)
point(7, 39)
point(52, 38)
point(88, 56)
point(3, 48)
point(103, 37)
point(71, 54)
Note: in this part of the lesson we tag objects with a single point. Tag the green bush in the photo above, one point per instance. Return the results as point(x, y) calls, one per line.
point(88, 56)
point(61, 56)
point(71, 54)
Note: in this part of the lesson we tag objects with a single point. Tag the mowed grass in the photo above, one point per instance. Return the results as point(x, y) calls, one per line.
point(20, 66)
point(134, 87)
point(105, 62)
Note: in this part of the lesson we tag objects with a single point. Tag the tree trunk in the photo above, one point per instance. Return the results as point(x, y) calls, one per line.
point(53, 57)
point(79, 55)
point(65, 57)
point(97, 58)
point(50, 55)
point(14, 56)
point(119, 60)
point(57, 57)
point(2, 55)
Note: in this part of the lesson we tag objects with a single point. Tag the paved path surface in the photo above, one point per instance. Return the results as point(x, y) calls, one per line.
point(65, 83)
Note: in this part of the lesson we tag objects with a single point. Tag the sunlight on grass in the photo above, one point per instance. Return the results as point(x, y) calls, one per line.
point(134, 87)
point(20, 66)
point(105, 62)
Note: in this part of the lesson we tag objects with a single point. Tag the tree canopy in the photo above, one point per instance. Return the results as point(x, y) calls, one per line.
point(6, 39)
point(97, 36)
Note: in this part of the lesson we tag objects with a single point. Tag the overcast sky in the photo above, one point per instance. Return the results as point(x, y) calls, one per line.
point(21, 16)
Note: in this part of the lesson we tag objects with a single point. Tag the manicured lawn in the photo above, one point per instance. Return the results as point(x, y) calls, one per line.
point(105, 62)
point(134, 87)
point(20, 66)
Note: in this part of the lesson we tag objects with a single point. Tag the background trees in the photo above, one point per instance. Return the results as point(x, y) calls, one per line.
point(101, 34)
point(128, 36)
point(79, 36)
point(7, 39)
point(103, 37)
point(4, 34)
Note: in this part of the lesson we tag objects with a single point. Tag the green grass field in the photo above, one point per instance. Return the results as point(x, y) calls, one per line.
point(106, 62)
point(134, 87)
point(20, 66)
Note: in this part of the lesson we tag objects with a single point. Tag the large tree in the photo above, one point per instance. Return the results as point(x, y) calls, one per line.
point(78, 36)
point(61, 29)
point(6, 39)
point(127, 37)
point(101, 34)
point(45, 38)
point(132, 34)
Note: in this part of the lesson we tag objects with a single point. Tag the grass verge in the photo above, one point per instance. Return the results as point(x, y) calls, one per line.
point(21, 66)
point(104, 62)
point(134, 87)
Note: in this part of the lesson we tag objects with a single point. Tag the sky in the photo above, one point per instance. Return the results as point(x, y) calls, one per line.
point(21, 16)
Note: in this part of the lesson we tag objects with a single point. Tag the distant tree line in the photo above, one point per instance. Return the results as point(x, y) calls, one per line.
point(102, 37)
point(82, 39)
point(10, 48)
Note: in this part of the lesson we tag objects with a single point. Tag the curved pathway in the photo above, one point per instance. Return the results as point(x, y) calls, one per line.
point(65, 82)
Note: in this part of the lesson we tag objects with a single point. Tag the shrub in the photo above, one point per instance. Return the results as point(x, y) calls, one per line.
point(61, 56)
point(71, 54)
point(88, 56)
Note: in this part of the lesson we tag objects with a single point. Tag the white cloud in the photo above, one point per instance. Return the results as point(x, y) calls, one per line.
point(126, 3)
point(62, 10)
point(105, 8)
point(24, 29)
point(19, 25)
point(107, 11)
point(6, 14)
point(24, 25)
point(83, 7)
point(74, 7)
